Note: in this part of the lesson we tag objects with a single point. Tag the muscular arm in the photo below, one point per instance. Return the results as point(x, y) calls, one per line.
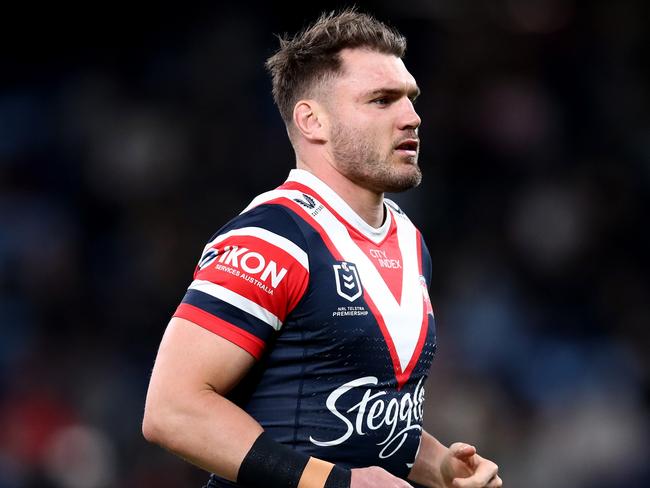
point(187, 414)
point(186, 411)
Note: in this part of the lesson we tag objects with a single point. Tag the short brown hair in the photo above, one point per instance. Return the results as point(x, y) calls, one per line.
point(313, 54)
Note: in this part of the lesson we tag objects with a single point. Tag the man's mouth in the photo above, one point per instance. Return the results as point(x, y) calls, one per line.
point(409, 146)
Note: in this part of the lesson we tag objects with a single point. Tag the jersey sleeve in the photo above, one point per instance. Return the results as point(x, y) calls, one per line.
point(250, 276)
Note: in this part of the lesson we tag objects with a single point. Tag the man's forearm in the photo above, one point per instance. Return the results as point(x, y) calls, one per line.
point(232, 445)
point(207, 430)
point(426, 468)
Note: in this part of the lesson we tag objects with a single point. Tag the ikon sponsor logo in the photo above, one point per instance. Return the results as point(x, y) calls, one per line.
point(396, 416)
point(242, 258)
point(348, 284)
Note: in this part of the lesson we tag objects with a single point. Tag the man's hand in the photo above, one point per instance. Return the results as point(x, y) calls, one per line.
point(461, 467)
point(375, 477)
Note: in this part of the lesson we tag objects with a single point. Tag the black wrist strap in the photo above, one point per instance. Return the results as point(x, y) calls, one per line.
point(269, 464)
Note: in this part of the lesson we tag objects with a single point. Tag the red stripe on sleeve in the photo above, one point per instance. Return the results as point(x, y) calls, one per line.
point(247, 341)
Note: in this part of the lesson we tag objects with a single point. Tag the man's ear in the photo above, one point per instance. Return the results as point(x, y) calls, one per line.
point(310, 119)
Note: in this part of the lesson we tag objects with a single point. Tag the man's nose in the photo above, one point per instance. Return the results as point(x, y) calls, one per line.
point(409, 118)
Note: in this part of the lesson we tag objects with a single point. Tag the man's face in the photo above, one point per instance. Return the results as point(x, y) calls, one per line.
point(374, 127)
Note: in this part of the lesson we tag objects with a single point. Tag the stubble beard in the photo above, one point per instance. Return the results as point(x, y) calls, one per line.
point(361, 162)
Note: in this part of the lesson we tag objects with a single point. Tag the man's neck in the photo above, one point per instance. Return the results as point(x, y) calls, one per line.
point(367, 204)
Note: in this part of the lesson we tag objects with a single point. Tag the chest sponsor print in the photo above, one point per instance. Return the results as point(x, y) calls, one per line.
point(376, 410)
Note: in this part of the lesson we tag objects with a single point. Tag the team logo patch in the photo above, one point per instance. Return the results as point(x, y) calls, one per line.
point(348, 284)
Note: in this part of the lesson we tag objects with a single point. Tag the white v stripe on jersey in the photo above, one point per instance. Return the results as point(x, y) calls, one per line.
point(236, 300)
point(403, 320)
point(268, 236)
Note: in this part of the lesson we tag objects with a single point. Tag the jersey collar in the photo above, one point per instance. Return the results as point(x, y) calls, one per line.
point(340, 206)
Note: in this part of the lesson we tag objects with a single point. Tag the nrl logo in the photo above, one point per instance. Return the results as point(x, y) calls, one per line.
point(348, 284)
point(308, 201)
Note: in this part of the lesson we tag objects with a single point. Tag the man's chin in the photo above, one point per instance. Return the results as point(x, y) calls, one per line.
point(403, 180)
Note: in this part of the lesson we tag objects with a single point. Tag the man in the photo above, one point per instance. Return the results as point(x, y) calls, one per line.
point(299, 353)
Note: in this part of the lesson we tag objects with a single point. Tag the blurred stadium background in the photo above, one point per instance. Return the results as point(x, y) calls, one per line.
point(130, 133)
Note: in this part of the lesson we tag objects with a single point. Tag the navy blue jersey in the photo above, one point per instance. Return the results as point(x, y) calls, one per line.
point(337, 314)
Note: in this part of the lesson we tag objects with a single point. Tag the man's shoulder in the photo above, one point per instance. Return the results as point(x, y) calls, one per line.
point(267, 220)
point(266, 215)
point(277, 198)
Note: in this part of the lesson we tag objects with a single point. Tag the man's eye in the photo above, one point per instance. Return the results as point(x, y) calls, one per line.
point(381, 101)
